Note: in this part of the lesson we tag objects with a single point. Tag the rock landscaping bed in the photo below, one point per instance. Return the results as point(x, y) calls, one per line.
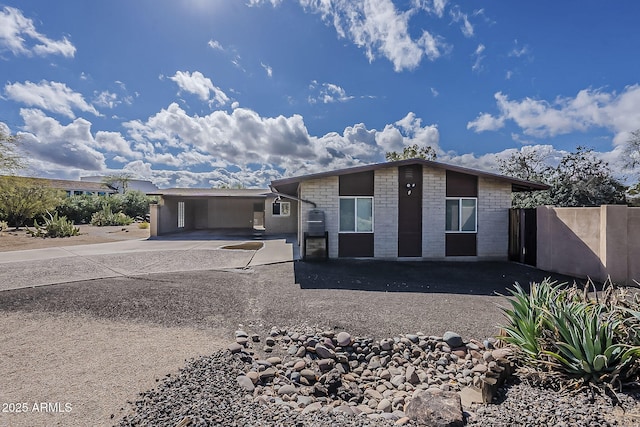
point(315, 377)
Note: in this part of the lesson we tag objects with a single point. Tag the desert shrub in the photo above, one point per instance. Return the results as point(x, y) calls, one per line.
point(143, 225)
point(565, 337)
point(54, 226)
point(107, 217)
point(4, 226)
point(79, 209)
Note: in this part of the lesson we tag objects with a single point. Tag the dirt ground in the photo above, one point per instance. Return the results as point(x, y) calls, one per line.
point(16, 240)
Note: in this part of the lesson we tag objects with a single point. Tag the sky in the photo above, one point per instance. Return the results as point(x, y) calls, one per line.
point(207, 93)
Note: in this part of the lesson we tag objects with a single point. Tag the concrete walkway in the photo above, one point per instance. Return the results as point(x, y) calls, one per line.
point(38, 267)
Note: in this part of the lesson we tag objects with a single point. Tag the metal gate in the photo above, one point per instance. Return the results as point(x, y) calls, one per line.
point(523, 235)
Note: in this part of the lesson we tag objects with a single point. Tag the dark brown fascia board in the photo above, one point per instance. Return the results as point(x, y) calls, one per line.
point(517, 184)
point(208, 192)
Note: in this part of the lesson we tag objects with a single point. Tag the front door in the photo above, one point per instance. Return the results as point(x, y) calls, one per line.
point(410, 211)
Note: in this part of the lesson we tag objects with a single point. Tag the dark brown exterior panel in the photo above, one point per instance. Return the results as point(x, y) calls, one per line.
point(410, 211)
point(357, 184)
point(461, 185)
point(463, 244)
point(355, 245)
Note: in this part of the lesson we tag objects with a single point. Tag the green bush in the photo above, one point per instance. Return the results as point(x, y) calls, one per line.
point(54, 226)
point(107, 217)
point(564, 335)
point(143, 225)
point(80, 209)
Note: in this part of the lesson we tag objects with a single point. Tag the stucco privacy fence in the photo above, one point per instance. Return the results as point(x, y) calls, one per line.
point(600, 242)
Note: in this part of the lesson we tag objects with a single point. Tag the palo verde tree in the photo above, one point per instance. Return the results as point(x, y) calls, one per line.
point(22, 199)
point(412, 152)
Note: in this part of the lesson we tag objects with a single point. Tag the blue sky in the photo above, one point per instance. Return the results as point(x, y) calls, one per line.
point(200, 93)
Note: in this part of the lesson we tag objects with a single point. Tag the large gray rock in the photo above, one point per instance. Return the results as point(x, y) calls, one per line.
point(436, 408)
point(452, 339)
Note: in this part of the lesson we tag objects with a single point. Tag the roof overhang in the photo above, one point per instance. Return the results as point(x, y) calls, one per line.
point(212, 192)
point(290, 185)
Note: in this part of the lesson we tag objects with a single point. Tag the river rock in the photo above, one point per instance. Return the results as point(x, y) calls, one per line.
point(452, 339)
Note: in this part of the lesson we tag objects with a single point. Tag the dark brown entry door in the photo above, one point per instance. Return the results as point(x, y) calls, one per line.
point(410, 211)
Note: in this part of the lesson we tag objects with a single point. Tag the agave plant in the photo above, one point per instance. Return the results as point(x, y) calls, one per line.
point(525, 327)
point(586, 346)
point(562, 332)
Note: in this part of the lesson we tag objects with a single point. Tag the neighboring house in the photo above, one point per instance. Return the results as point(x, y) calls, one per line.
point(74, 188)
point(416, 209)
point(259, 211)
point(132, 184)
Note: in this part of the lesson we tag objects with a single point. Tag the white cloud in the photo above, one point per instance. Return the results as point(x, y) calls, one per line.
point(106, 99)
point(380, 28)
point(328, 93)
point(45, 139)
point(18, 34)
point(435, 7)
point(619, 113)
point(268, 69)
point(197, 84)
point(478, 54)
point(518, 51)
point(51, 96)
point(459, 17)
point(242, 137)
point(214, 44)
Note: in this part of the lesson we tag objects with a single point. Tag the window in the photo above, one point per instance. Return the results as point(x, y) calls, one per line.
point(462, 215)
point(180, 214)
point(281, 209)
point(356, 214)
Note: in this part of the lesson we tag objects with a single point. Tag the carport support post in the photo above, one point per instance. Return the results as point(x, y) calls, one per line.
point(154, 219)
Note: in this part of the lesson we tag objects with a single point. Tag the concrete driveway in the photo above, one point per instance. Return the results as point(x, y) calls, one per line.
point(185, 252)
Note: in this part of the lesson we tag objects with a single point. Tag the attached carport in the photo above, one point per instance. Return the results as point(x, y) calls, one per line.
point(255, 211)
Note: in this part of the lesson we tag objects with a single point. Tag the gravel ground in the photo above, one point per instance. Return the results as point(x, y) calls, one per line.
point(202, 309)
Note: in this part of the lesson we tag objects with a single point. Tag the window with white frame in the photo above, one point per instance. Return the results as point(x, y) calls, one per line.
point(462, 215)
point(281, 208)
point(356, 214)
point(180, 214)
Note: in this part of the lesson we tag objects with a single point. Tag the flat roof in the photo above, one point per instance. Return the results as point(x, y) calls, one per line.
point(287, 185)
point(211, 192)
point(69, 185)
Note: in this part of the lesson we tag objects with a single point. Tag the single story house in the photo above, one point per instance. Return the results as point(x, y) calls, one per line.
point(413, 209)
